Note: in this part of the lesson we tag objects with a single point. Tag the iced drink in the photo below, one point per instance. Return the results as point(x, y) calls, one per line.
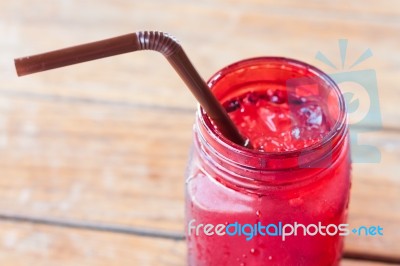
point(285, 201)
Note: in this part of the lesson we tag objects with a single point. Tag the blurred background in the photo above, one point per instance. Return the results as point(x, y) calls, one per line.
point(92, 157)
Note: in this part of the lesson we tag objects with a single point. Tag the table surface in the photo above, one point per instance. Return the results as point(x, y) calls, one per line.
point(93, 156)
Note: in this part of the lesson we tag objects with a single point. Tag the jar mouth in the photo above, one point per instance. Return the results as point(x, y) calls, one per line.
point(338, 128)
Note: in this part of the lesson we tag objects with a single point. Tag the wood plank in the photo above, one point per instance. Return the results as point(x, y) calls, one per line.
point(356, 10)
point(250, 26)
point(43, 245)
point(375, 198)
point(62, 159)
point(348, 262)
point(125, 166)
point(23, 244)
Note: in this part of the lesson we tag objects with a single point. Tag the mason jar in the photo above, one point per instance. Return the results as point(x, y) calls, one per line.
point(280, 207)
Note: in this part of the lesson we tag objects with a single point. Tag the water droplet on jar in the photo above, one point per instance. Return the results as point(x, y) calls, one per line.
point(270, 257)
point(254, 251)
point(296, 202)
point(258, 213)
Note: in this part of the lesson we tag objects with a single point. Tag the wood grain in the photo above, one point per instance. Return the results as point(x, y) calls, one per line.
point(42, 245)
point(47, 246)
point(245, 29)
point(63, 159)
point(106, 142)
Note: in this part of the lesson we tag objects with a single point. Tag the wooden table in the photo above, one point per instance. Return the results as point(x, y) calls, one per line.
point(93, 156)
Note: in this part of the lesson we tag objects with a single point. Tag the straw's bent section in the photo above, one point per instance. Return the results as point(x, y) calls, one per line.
point(146, 40)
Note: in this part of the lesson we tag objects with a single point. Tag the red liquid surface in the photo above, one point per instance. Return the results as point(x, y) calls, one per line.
point(272, 124)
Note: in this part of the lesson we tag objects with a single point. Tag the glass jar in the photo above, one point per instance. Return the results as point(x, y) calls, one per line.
point(247, 207)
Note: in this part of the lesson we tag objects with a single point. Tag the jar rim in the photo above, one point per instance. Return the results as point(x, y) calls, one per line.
point(339, 126)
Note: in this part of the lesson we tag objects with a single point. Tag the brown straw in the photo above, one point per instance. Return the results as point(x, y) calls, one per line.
point(147, 40)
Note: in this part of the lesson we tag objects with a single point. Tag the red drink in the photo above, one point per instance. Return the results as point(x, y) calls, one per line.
point(242, 204)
